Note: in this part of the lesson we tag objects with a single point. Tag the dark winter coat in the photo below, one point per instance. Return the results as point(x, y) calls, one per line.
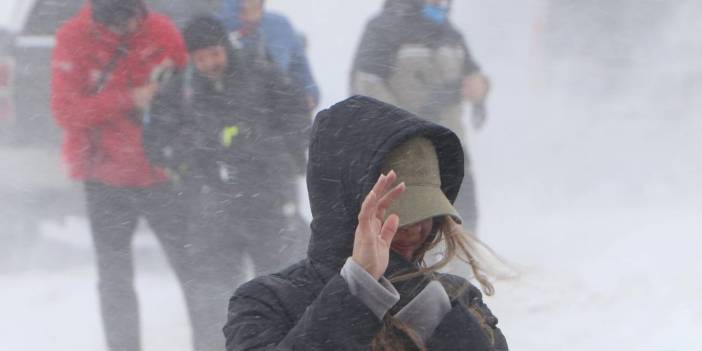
point(399, 24)
point(309, 306)
point(409, 61)
point(255, 120)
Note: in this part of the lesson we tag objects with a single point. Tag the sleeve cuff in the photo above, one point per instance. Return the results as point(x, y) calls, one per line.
point(426, 311)
point(378, 296)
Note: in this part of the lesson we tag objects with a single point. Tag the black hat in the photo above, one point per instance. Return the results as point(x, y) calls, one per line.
point(116, 12)
point(205, 31)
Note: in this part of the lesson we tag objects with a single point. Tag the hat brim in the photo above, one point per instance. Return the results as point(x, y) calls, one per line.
point(418, 203)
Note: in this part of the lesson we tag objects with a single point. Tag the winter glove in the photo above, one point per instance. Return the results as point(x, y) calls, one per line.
point(479, 115)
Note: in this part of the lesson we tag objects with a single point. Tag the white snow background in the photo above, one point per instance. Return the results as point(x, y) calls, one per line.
point(595, 199)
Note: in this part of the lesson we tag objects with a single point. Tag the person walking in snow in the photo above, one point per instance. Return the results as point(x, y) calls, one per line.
point(381, 191)
point(101, 69)
point(270, 38)
point(227, 129)
point(412, 56)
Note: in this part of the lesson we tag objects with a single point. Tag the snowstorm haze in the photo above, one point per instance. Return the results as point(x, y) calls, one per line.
point(587, 174)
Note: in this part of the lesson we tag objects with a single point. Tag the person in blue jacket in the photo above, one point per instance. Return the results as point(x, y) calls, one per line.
point(268, 39)
point(273, 36)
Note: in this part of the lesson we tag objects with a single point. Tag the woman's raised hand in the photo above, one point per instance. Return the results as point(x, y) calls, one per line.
point(374, 233)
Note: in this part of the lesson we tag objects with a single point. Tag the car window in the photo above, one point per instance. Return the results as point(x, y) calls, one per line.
point(47, 15)
point(180, 11)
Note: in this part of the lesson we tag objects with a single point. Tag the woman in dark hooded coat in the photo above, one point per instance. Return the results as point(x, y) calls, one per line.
point(381, 182)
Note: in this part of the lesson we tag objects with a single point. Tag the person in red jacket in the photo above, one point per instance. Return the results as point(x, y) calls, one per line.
point(103, 79)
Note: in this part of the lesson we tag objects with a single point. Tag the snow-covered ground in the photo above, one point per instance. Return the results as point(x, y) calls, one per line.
point(595, 201)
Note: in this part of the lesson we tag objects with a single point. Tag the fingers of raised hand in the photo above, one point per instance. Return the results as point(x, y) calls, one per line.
point(370, 203)
point(378, 200)
point(384, 182)
point(368, 208)
point(389, 198)
point(389, 229)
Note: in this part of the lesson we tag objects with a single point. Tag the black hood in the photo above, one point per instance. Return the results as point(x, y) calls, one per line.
point(348, 145)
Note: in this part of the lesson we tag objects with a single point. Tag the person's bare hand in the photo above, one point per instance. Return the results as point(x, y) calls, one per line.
point(374, 233)
point(475, 87)
point(311, 103)
point(143, 95)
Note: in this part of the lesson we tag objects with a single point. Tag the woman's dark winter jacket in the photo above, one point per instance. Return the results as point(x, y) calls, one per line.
point(309, 305)
point(255, 117)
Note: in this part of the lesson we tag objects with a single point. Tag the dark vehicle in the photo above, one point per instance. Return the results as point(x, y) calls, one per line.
point(33, 185)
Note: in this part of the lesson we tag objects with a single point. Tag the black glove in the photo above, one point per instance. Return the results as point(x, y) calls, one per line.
point(479, 114)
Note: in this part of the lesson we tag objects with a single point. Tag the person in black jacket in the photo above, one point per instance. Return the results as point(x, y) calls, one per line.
point(229, 130)
point(412, 56)
point(381, 191)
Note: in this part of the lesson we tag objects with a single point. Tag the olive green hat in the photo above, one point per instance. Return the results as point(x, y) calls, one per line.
point(417, 164)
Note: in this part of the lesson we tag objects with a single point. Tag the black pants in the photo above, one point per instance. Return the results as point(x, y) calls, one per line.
point(248, 220)
point(114, 213)
point(466, 203)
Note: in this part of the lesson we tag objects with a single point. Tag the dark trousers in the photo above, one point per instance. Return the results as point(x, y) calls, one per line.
point(114, 213)
point(466, 203)
point(250, 217)
point(263, 221)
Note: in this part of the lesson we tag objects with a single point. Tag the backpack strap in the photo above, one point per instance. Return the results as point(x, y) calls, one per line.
point(95, 134)
point(120, 52)
point(188, 90)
